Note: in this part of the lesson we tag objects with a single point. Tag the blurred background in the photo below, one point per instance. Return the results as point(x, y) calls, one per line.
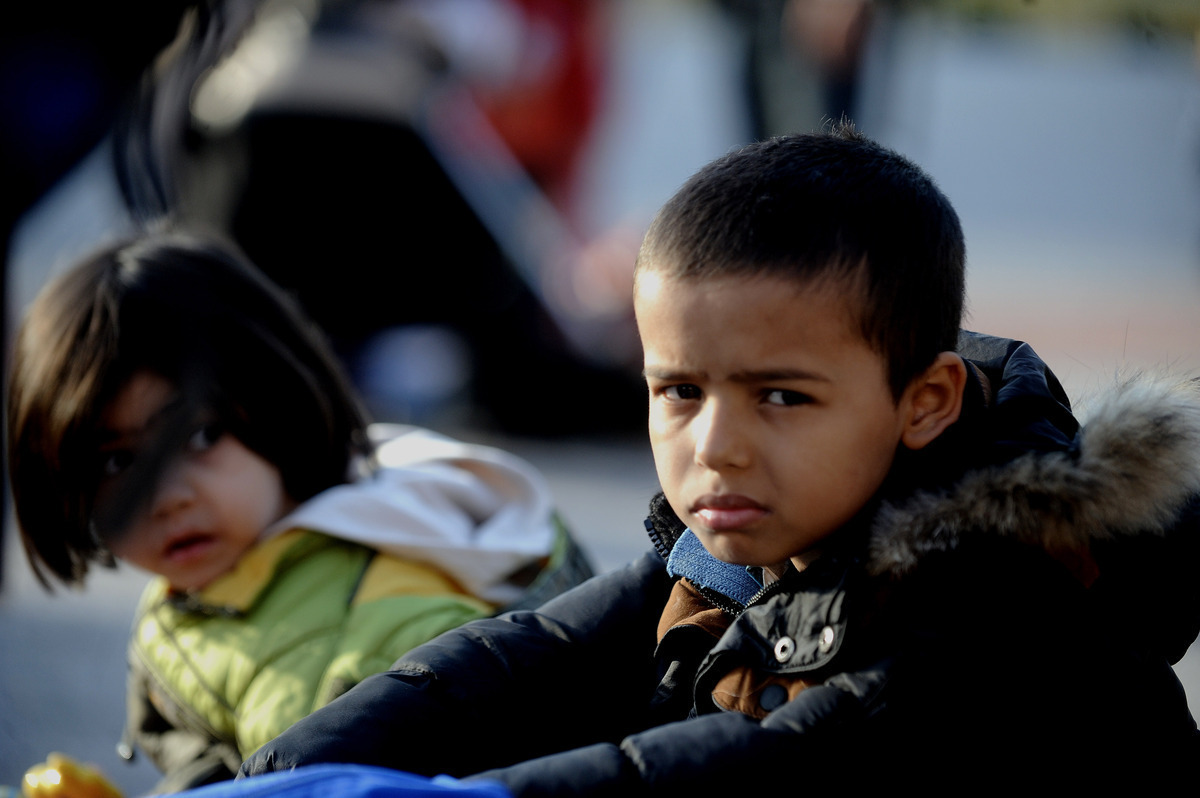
point(455, 189)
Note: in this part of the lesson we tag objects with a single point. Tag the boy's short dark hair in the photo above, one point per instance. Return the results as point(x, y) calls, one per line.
point(827, 205)
point(195, 311)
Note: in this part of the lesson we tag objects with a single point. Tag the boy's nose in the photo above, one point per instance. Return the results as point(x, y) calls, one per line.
point(719, 440)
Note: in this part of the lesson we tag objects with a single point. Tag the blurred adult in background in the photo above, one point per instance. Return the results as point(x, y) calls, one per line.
point(804, 59)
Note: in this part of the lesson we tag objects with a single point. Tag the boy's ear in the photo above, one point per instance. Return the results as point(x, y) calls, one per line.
point(934, 400)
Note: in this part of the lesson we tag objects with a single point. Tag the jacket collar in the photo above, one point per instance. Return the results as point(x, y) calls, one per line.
point(1130, 471)
point(236, 592)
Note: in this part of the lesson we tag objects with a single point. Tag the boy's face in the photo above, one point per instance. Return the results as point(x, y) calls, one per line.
point(771, 419)
point(210, 505)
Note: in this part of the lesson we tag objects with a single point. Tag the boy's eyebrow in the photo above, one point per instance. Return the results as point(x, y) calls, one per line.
point(777, 375)
point(748, 376)
point(665, 374)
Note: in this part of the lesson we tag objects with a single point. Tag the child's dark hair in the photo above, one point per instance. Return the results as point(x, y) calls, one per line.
point(189, 308)
point(832, 204)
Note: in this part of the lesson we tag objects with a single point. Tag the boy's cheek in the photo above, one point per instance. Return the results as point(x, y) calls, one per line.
point(667, 426)
point(659, 437)
point(667, 450)
point(671, 480)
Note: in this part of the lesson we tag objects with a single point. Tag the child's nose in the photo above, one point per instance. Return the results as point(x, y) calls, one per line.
point(720, 440)
point(174, 491)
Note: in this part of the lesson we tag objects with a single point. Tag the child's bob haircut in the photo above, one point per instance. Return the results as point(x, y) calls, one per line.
point(827, 205)
point(193, 310)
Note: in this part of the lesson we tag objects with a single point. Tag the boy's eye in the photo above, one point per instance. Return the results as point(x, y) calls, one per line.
point(681, 392)
point(205, 437)
point(786, 398)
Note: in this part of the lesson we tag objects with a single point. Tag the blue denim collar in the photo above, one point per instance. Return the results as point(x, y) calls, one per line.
point(691, 560)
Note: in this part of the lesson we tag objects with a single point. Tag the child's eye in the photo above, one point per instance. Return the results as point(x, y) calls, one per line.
point(786, 398)
point(682, 392)
point(114, 462)
point(205, 437)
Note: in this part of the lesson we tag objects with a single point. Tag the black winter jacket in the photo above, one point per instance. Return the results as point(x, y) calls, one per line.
point(1009, 610)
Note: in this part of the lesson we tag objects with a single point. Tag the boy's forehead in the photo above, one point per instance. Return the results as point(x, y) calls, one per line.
point(659, 288)
point(737, 325)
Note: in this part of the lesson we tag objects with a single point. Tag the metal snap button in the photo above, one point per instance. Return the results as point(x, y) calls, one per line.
point(826, 640)
point(784, 648)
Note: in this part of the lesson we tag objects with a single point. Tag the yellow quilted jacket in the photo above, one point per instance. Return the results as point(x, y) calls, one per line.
point(300, 620)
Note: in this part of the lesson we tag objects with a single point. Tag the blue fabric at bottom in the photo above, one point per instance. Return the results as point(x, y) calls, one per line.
point(358, 781)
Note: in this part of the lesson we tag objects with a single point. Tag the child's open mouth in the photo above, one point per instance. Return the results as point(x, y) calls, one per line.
point(189, 545)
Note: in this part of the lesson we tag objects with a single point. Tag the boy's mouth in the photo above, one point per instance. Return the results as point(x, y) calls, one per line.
point(727, 511)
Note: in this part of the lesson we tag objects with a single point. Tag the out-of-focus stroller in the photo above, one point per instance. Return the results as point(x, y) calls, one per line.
point(339, 144)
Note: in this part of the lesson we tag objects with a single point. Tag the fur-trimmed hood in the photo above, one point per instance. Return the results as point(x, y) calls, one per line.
point(1134, 465)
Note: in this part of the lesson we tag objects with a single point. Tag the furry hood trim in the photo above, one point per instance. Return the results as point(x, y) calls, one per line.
point(1133, 467)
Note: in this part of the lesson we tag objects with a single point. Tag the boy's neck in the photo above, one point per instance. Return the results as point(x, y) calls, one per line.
point(805, 558)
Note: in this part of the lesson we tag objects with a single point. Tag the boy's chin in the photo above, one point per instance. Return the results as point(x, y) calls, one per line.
point(727, 549)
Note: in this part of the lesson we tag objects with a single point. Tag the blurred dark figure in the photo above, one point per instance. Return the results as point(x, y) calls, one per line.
point(65, 68)
point(346, 148)
point(802, 60)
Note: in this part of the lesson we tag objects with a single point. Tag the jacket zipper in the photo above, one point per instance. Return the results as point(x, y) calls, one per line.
point(734, 608)
point(660, 546)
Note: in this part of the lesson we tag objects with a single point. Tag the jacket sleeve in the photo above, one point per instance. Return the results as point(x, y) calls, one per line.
point(462, 702)
point(712, 754)
point(461, 705)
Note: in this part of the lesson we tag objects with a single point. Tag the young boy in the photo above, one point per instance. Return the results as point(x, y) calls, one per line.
point(878, 541)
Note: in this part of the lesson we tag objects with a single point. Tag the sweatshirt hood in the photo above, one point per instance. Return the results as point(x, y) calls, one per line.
point(480, 514)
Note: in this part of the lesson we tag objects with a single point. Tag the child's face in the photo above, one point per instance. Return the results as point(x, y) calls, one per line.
point(771, 419)
point(210, 506)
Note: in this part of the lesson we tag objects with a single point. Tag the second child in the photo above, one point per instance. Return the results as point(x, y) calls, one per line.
point(171, 408)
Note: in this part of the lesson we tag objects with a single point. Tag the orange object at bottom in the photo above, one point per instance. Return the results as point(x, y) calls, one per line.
point(62, 777)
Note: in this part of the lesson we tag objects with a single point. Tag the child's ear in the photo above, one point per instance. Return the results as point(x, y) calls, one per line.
point(934, 400)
